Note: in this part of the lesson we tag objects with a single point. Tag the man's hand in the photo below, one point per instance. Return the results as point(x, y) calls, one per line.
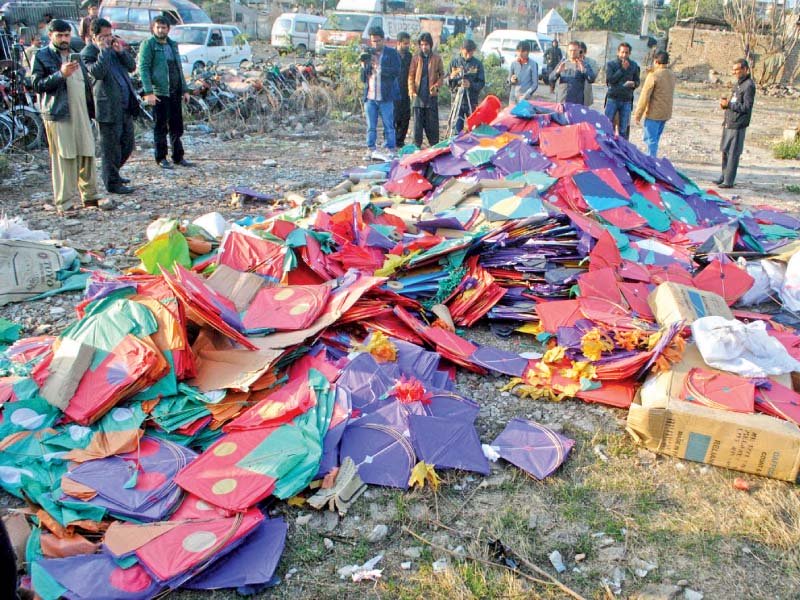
point(186, 97)
point(625, 63)
point(561, 67)
point(116, 44)
point(150, 99)
point(69, 68)
point(629, 84)
point(723, 103)
point(581, 66)
point(465, 83)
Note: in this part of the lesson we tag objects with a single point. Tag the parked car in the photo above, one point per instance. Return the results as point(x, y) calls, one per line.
point(206, 44)
point(131, 18)
point(503, 43)
point(296, 31)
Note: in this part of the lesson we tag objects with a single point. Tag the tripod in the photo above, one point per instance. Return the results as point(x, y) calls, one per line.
point(455, 109)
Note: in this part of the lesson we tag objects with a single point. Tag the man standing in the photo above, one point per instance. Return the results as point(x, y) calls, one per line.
point(552, 56)
point(163, 86)
point(523, 75)
point(380, 70)
point(572, 75)
point(466, 72)
point(655, 102)
point(402, 106)
point(738, 110)
point(115, 101)
point(425, 77)
point(66, 103)
point(85, 26)
point(622, 77)
point(30, 51)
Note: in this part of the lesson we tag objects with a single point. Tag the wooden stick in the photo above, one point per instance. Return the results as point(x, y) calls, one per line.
point(526, 562)
point(475, 558)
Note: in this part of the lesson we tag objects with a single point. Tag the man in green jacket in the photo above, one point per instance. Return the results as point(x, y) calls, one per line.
point(163, 88)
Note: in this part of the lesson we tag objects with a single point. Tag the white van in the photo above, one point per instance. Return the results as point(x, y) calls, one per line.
point(295, 31)
point(503, 43)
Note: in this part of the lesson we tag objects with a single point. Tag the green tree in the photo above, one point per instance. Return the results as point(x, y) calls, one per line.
point(614, 15)
point(684, 9)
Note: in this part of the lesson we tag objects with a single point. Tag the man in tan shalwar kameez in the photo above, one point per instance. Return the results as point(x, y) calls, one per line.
point(66, 104)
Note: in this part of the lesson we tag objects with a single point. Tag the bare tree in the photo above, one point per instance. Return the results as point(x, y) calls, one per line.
point(767, 39)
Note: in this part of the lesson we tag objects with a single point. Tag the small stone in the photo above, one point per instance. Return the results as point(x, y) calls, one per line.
point(580, 557)
point(303, 519)
point(440, 565)
point(658, 591)
point(689, 594)
point(683, 582)
point(419, 512)
point(378, 533)
point(328, 543)
point(412, 552)
point(105, 204)
point(605, 542)
point(42, 329)
point(611, 554)
point(57, 312)
point(269, 162)
point(330, 520)
point(406, 566)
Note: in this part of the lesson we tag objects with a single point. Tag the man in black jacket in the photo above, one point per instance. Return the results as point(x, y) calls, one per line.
point(622, 77)
point(65, 99)
point(738, 109)
point(402, 106)
point(115, 101)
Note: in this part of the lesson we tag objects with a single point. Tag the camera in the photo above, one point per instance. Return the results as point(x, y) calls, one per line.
point(366, 53)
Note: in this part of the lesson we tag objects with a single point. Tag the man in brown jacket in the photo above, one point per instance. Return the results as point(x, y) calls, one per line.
point(425, 77)
point(655, 102)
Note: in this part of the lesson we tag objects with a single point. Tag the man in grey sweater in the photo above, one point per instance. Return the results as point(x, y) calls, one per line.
point(523, 76)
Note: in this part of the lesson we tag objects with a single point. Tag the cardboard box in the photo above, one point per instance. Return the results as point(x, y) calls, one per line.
point(673, 302)
point(752, 443)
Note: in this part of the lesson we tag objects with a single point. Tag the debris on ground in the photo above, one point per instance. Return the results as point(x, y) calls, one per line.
point(311, 351)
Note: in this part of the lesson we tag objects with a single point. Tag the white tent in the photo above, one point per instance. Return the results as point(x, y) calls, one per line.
point(552, 23)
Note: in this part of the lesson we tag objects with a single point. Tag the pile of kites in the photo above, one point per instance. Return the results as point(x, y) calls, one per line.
point(315, 352)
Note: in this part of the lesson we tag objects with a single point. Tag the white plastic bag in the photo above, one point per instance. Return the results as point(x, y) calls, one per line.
point(745, 349)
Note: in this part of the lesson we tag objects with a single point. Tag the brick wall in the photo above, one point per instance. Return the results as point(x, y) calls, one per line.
point(693, 57)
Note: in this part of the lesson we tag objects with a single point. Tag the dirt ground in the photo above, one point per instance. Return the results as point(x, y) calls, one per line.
point(624, 521)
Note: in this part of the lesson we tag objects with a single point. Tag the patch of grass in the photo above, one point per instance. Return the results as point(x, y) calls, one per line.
point(360, 552)
point(793, 188)
point(305, 550)
point(400, 506)
point(787, 150)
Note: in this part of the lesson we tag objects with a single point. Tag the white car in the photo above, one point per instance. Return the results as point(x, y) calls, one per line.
point(503, 43)
point(205, 44)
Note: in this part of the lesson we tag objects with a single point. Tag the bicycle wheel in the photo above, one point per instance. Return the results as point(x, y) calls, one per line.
point(29, 128)
point(196, 110)
point(6, 134)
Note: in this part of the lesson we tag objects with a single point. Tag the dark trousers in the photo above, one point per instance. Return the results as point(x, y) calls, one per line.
point(731, 146)
point(168, 116)
point(426, 119)
point(402, 115)
point(116, 146)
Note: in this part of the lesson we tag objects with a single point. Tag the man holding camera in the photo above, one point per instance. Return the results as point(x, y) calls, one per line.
point(115, 101)
point(523, 75)
point(466, 72)
point(380, 71)
point(65, 97)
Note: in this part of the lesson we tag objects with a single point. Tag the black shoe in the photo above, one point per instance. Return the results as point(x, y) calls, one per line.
point(120, 189)
point(165, 164)
point(725, 186)
point(124, 180)
point(717, 181)
point(184, 163)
